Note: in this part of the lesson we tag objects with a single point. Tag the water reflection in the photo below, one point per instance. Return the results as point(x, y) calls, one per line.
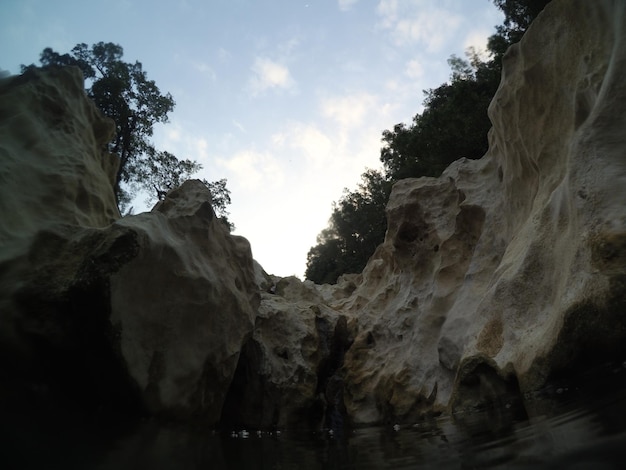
point(488, 439)
point(557, 429)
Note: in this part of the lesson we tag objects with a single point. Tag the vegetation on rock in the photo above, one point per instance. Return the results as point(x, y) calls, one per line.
point(123, 92)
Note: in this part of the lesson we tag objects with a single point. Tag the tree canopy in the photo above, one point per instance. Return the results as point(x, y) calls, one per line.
point(356, 227)
point(518, 15)
point(123, 92)
point(453, 124)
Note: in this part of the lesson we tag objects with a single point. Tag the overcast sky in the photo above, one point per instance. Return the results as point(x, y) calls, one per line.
point(287, 99)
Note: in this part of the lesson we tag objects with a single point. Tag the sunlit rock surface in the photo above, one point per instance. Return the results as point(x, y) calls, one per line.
point(145, 313)
point(508, 270)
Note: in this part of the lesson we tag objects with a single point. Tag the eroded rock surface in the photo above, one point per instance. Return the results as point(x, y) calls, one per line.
point(47, 118)
point(148, 312)
point(510, 269)
point(289, 372)
point(503, 273)
point(184, 305)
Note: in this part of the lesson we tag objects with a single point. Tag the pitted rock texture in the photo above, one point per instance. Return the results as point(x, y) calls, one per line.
point(54, 168)
point(510, 269)
point(288, 367)
point(184, 305)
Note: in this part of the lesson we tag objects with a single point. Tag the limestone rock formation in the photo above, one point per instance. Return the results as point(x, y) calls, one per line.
point(46, 117)
point(146, 312)
point(492, 279)
point(184, 304)
point(510, 269)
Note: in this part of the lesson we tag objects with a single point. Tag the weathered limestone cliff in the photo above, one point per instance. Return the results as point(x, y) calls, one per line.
point(503, 274)
point(510, 269)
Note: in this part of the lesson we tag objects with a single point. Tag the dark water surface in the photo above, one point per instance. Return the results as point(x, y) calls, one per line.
point(561, 427)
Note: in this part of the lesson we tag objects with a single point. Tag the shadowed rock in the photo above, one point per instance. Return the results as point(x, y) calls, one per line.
point(148, 312)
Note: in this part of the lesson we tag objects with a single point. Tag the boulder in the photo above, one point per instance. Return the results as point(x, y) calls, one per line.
point(184, 305)
point(145, 314)
point(55, 177)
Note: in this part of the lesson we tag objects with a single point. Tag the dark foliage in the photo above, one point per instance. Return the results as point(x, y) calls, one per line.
point(454, 124)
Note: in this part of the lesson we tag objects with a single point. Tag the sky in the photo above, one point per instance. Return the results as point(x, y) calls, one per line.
point(286, 99)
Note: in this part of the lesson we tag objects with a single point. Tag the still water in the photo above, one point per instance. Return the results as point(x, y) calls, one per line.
point(561, 427)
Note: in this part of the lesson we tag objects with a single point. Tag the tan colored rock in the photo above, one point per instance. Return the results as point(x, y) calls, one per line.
point(510, 269)
point(148, 312)
point(287, 369)
point(184, 305)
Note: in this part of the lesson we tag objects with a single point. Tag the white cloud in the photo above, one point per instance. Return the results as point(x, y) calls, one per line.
point(414, 69)
point(239, 126)
point(176, 139)
point(223, 54)
point(388, 10)
point(477, 40)
point(308, 141)
point(418, 22)
point(172, 138)
point(252, 170)
point(268, 74)
point(283, 188)
point(405, 96)
point(330, 155)
point(285, 48)
point(201, 148)
point(173, 134)
point(349, 111)
point(345, 5)
point(206, 70)
point(278, 139)
point(318, 147)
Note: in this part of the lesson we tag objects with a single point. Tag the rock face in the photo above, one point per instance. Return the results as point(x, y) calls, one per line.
point(148, 312)
point(493, 279)
point(289, 368)
point(184, 305)
point(46, 118)
point(511, 269)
